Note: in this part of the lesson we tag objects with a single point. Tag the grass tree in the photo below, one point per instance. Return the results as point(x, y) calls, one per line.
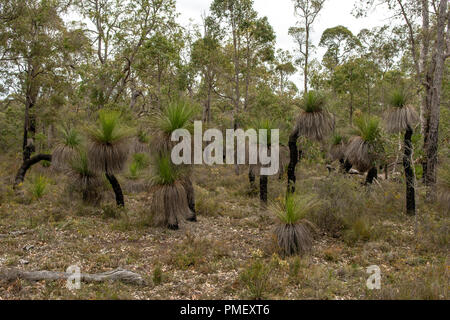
point(141, 142)
point(294, 234)
point(66, 149)
point(169, 202)
point(365, 147)
point(176, 115)
point(84, 179)
point(401, 117)
point(108, 149)
point(314, 122)
point(337, 151)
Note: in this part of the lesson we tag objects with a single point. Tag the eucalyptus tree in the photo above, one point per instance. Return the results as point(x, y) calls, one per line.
point(340, 43)
point(284, 67)
point(307, 11)
point(119, 31)
point(206, 57)
point(233, 14)
point(314, 122)
point(259, 41)
point(36, 52)
point(429, 48)
point(402, 117)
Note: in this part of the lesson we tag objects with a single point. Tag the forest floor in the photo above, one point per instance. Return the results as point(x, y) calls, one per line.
point(229, 253)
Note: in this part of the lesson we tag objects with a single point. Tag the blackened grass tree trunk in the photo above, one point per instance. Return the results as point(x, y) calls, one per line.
point(371, 175)
point(409, 173)
point(20, 176)
point(293, 160)
point(116, 188)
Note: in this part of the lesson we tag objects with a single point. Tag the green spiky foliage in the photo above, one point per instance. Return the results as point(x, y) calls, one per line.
point(108, 148)
point(314, 121)
point(177, 114)
point(313, 101)
point(366, 146)
point(66, 149)
point(140, 162)
point(401, 115)
point(398, 98)
point(165, 172)
point(294, 233)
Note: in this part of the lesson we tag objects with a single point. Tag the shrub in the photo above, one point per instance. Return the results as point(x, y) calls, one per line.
point(256, 280)
point(38, 186)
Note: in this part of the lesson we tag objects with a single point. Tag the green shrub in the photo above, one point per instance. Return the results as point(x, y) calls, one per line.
point(38, 186)
point(256, 279)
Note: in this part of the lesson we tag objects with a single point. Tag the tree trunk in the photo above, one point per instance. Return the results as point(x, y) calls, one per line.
point(306, 60)
point(433, 128)
point(251, 178)
point(371, 175)
point(293, 160)
point(347, 166)
point(263, 188)
point(409, 174)
point(20, 176)
point(116, 188)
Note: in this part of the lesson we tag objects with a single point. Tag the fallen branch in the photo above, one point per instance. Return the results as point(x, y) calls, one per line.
point(13, 233)
point(114, 275)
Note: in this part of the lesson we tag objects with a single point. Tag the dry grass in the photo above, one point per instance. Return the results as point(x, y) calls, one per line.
point(223, 256)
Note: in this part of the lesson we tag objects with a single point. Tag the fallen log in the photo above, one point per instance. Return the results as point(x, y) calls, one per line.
point(13, 233)
point(119, 274)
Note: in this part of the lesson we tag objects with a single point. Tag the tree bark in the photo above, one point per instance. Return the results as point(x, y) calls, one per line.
point(293, 160)
point(409, 174)
point(438, 62)
point(116, 188)
point(20, 176)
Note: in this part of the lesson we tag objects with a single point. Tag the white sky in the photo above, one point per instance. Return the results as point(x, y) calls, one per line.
point(281, 16)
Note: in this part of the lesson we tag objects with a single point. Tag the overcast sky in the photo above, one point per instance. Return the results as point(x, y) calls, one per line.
point(281, 16)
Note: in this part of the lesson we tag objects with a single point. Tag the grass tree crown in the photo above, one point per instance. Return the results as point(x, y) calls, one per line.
point(366, 146)
point(164, 171)
point(400, 115)
point(314, 121)
point(66, 149)
point(177, 114)
point(108, 148)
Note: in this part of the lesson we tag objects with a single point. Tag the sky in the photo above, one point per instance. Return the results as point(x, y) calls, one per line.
point(281, 16)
